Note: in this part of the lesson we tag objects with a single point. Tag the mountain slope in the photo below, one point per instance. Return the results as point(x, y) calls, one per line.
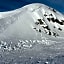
point(33, 20)
point(32, 34)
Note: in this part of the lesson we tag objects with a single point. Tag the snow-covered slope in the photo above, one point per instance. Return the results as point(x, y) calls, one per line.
point(33, 21)
point(33, 34)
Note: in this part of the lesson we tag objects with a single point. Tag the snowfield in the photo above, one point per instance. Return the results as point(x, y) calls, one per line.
point(33, 34)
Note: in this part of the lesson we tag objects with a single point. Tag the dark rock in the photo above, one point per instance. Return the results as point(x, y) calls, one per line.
point(47, 28)
point(39, 30)
point(50, 15)
point(48, 19)
point(36, 23)
point(54, 10)
point(49, 33)
point(53, 19)
point(40, 21)
point(45, 15)
point(60, 29)
point(56, 20)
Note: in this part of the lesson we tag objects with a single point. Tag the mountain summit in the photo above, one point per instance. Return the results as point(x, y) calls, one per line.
point(32, 21)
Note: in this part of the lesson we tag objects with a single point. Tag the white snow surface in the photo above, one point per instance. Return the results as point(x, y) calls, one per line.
point(34, 31)
point(20, 23)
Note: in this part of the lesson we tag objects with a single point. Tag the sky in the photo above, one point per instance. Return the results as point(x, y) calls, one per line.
point(7, 5)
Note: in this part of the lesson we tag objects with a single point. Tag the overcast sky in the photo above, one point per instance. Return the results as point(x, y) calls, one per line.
point(6, 5)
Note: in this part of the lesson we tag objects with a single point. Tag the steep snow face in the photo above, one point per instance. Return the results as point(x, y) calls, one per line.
point(33, 21)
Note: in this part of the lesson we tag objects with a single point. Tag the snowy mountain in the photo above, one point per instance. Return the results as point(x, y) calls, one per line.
point(33, 34)
point(33, 20)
